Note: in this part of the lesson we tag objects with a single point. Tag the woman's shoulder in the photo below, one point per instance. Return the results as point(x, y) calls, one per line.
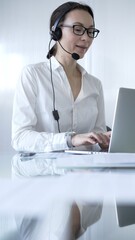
point(42, 66)
point(35, 66)
point(93, 79)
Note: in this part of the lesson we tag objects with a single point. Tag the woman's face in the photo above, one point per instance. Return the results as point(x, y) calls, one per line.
point(74, 43)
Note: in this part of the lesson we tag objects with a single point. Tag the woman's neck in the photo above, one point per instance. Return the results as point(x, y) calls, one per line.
point(72, 72)
point(68, 63)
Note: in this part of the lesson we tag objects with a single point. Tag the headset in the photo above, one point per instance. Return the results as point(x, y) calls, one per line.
point(56, 34)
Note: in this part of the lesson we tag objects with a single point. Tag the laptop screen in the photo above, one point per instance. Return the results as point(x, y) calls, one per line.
point(123, 128)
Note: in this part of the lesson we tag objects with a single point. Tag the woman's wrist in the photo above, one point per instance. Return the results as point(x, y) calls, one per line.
point(69, 136)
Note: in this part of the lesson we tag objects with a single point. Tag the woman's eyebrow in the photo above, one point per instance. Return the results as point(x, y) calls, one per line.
point(81, 24)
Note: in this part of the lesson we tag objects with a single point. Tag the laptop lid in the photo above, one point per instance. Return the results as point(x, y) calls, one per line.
point(123, 128)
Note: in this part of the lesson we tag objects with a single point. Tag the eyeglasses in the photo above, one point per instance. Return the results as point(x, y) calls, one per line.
point(80, 30)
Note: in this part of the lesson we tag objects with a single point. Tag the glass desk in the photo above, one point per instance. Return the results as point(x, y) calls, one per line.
point(103, 177)
point(107, 175)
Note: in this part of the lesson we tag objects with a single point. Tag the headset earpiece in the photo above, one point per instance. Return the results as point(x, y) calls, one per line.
point(56, 34)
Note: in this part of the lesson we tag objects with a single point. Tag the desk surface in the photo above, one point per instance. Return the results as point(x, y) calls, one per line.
point(99, 179)
point(61, 163)
point(92, 160)
point(47, 177)
point(5, 164)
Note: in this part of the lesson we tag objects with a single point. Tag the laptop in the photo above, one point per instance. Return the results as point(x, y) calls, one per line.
point(123, 128)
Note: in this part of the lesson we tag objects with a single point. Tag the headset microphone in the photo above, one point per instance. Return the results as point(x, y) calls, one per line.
point(75, 56)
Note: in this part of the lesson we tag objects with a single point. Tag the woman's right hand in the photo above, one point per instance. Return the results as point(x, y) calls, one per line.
point(91, 138)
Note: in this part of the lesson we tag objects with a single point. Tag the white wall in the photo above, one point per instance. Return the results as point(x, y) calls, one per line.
point(113, 52)
point(24, 37)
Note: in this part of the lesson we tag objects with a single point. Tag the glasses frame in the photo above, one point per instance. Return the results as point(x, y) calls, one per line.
point(84, 30)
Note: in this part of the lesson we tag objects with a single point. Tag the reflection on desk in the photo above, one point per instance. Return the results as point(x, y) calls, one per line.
point(85, 186)
point(58, 176)
point(59, 163)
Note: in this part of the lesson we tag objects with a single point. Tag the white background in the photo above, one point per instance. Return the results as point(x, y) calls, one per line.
point(24, 37)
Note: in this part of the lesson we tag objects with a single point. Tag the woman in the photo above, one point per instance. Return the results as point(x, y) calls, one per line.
point(76, 95)
point(58, 105)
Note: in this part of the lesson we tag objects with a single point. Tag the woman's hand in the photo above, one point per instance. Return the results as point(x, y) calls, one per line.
point(106, 140)
point(91, 138)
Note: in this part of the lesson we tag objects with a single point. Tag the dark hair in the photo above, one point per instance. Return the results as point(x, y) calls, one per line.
point(60, 13)
point(68, 7)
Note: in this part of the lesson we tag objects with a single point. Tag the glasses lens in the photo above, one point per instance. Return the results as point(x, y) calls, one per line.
point(78, 30)
point(92, 33)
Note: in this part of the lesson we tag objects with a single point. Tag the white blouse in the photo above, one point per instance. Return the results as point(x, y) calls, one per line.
point(33, 124)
